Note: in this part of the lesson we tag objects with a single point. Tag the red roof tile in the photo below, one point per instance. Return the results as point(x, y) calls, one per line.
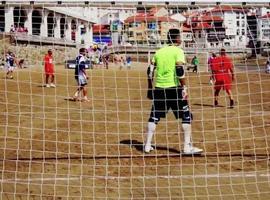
point(267, 16)
point(207, 18)
point(101, 28)
point(224, 8)
point(186, 29)
point(202, 25)
point(149, 19)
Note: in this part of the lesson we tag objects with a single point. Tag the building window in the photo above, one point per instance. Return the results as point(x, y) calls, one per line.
point(152, 25)
point(130, 34)
point(227, 44)
point(243, 31)
point(237, 32)
point(200, 34)
point(237, 23)
point(139, 35)
point(83, 30)
point(135, 24)
point(114, 27)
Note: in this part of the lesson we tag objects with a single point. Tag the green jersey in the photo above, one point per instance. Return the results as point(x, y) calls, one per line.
point(195, 61)
point(165, 60)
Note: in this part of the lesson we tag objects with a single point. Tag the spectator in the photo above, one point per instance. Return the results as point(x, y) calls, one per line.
point(123, 61)
point(10, 64)
point(128, 62)
point(195, 63)
point(12, 29)
point(20, 63)
point(105, 61)
point(267, 67)
point(20, 29)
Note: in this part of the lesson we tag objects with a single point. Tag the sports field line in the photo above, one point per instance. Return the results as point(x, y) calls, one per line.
point(206, 176)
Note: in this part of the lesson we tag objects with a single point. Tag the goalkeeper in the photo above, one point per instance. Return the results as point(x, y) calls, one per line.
point(170, 91)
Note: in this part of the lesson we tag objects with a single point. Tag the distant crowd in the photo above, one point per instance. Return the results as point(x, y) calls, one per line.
point(19, 29)
point(100, 56)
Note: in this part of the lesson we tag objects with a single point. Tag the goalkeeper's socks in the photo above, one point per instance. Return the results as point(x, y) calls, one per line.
point(149, 136)
point(187, 134)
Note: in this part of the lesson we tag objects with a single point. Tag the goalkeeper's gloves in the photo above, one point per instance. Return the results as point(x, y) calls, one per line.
point(150, 71)
point(184, 92)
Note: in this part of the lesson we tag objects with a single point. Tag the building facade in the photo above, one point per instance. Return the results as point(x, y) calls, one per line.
point(263, 28)
point(221, 26)
point(46, 22)
point(150, 27)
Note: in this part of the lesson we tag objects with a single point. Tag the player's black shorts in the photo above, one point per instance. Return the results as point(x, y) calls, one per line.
point(170, 98)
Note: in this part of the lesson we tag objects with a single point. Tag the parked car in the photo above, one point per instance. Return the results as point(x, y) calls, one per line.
point(71, 64)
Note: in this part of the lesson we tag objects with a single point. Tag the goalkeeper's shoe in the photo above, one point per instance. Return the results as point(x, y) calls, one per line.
point(190, 150)
point(148, 148)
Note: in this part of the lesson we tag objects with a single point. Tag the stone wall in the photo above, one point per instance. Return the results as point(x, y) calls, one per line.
point(34, 54)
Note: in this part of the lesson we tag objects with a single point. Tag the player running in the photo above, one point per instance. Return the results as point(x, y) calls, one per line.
point(222, 69)
point(170, 91)
point(81, 76)
point(49, 69)
point(10, 64)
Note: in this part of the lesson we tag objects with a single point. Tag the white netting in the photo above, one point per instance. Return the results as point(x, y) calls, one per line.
point(52, 147)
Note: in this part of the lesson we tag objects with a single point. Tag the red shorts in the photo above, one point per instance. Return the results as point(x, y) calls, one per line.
point(49, 71)
point(224, 83)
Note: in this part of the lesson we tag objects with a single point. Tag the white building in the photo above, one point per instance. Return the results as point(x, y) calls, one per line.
point(106, 16)
point(49, 22)
point(114, 16)
point(263, 27)
point(234, 23)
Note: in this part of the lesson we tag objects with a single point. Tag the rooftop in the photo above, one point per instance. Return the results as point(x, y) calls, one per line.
point(147, 18)
point(266, 16)
point(101, 29)
point(227, 8)
point(207, 18)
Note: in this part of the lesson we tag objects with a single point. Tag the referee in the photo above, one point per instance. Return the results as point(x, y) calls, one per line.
point(170, 91)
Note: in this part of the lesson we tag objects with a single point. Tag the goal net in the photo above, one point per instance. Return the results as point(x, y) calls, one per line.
point(84, 138)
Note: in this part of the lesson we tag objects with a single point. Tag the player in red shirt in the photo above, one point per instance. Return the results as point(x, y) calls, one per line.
point(223, 73)
point(49, 68)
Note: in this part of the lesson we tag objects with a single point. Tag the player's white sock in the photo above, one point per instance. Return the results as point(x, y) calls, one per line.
point(149, 136)
point(187, 134)
point(76, 94)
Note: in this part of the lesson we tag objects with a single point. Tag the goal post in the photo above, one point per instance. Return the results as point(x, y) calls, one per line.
point(74, 108)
